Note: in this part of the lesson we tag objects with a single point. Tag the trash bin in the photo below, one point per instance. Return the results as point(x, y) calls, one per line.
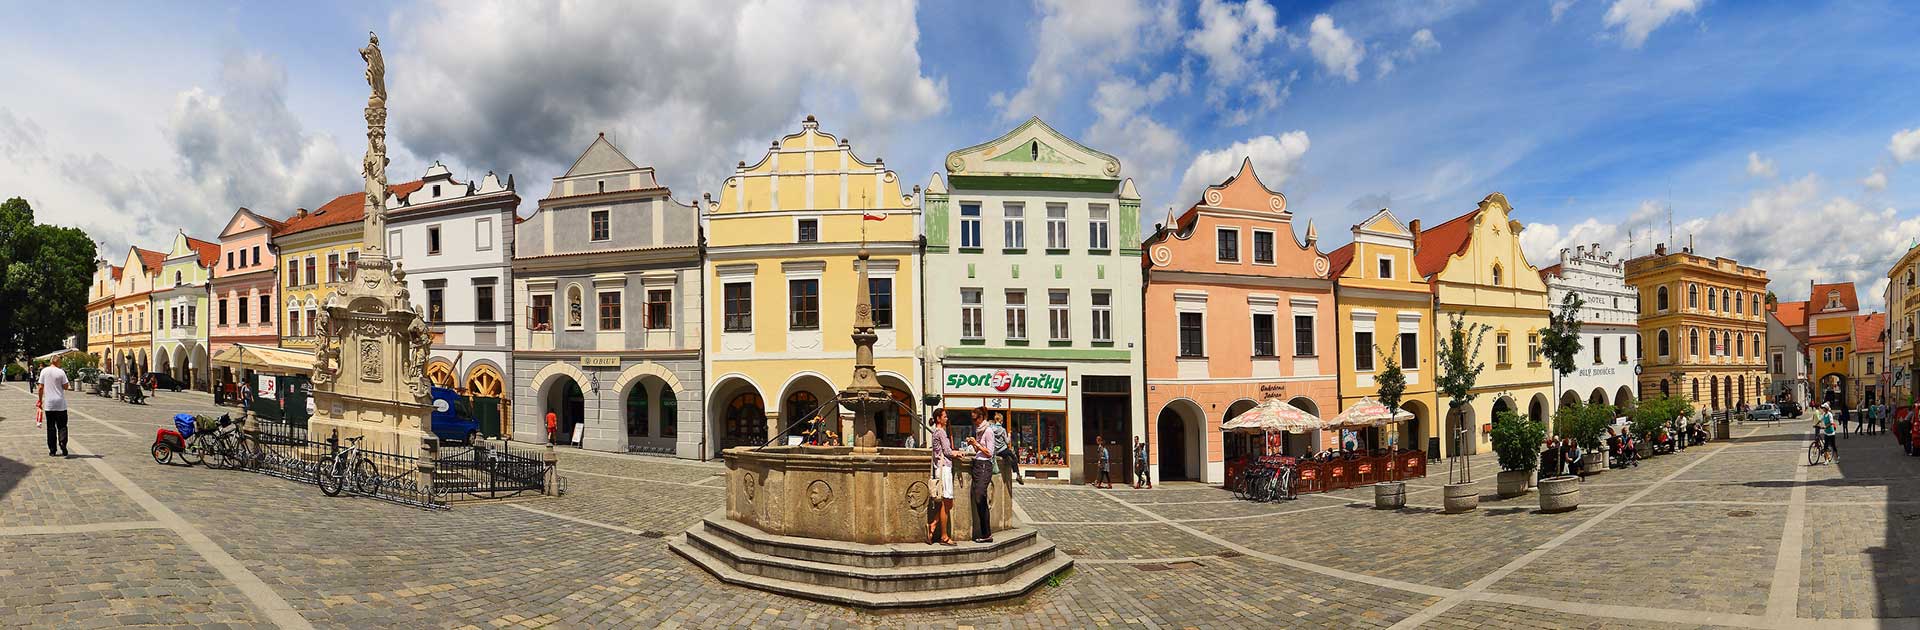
point(1722, 428)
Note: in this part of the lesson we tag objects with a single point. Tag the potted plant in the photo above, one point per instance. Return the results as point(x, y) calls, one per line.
point(1586, 424)
point(1390, 386)
point(1456, 353)
point(1651, 417)
point(1516, 441)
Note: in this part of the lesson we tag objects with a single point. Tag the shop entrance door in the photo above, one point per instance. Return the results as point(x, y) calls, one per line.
point(1105, 404)
point(1173, 446)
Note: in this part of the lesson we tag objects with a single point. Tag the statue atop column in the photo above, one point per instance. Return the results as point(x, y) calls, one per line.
point(374, 165)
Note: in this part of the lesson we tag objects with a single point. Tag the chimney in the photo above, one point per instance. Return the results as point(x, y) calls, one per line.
point(300, 213)
point(1660, 250)
point(1415, 228)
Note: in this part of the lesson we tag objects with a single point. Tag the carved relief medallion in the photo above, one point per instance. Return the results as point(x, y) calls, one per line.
point(819, 494)
point(748, 485)
point(917, 495)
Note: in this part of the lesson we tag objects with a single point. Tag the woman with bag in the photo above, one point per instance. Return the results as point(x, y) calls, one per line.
point(940, 486)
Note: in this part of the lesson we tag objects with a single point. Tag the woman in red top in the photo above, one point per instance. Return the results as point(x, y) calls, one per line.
point(553, 428)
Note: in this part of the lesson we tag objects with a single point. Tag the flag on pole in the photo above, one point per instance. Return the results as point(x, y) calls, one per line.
point(870, 216)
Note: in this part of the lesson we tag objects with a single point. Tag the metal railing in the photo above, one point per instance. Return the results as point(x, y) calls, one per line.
point(484, 472)
point(285, 451)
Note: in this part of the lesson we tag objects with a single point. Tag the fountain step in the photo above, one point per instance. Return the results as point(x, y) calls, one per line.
point(870, 579)
point(1029, 575)
point(865, 555)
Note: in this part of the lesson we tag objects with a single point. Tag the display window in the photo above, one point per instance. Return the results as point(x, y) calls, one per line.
point(1041, 438)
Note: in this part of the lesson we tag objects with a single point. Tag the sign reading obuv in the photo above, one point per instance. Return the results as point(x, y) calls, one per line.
point(1017, 381)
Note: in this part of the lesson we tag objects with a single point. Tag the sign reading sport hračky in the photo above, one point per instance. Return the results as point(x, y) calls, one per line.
point(1012, 381)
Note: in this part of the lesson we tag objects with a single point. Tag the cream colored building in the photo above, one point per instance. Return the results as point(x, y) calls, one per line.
point(782, 234)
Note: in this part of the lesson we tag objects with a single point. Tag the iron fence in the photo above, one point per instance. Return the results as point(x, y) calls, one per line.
point(483, 472)
point(286, 451)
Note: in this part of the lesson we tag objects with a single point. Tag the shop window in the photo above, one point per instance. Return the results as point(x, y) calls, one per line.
point(746, 420)
point(669, 413)
point(1041, 438)
point(637, 411)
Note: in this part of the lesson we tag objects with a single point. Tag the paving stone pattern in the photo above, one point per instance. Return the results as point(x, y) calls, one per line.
point(1181, 556)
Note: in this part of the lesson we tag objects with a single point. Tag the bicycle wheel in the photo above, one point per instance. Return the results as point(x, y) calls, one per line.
point(366, 477)
point(225, 453)
point(1813, 453)
point(251, 454)
point(333, 476)
point(161, 454)
point(196, 450)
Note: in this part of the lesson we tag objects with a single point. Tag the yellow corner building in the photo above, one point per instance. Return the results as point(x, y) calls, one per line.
point(1703, 328)
point(1385, 309)
point(782, 238)
point(1475, 267)
point(311, 247)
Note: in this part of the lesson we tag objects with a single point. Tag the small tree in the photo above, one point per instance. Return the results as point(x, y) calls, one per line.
point(1653, 414)
point(1584, 423)
point(1460, 367)
point(1392, 381)
point(1516, 441)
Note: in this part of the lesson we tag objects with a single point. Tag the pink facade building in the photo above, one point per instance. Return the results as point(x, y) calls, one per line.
point(1238, 310)
point(243, 302)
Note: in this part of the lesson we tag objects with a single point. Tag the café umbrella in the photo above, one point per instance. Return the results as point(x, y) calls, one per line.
point(1367, 413)
point(1274, 415)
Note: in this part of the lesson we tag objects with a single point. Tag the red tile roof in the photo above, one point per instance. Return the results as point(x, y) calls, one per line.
point(151, 259)
point(1440, 242)
point(1848, 301)
point(209, 252)
point(1337, 260)
point(1550, 271)
point(1791, 314)
point(343, 209)
point(1833, 338)
point(1867, 331)
point(116, 271)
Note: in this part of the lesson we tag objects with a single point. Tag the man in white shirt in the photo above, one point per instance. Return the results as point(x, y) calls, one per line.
point(53, 404)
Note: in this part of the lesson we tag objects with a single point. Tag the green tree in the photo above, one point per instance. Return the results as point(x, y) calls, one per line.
point(1392, 381)
point(1458, 355)
point(1560, 340)
point(44, 272)
point(1516, 441)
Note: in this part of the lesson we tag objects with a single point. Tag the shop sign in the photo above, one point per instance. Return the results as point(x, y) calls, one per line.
point(269, 387)
point(1598, 371)
point(600, 361)
point(1273, 391)
point(1006, 382)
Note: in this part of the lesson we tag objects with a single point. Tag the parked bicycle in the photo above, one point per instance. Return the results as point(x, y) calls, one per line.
point(1269, 479)
point(351, 470)
point(196, 438)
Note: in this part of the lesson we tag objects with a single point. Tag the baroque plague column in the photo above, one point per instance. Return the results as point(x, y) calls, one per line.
point(369, 376)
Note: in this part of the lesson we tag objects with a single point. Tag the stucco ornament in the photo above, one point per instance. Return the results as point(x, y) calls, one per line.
point(1320, 266)
point(1162, 255)
point(819, 494)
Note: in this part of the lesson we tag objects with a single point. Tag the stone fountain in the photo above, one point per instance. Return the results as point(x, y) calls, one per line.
point(848, 524)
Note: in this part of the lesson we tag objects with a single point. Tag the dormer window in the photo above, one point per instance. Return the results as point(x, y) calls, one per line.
point(603, 185)
point(1496, 275)
point(436, 191)
point(1833, 299)
point(1386, 268)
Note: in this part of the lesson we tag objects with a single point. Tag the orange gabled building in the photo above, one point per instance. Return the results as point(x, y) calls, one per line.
point(1235, 315)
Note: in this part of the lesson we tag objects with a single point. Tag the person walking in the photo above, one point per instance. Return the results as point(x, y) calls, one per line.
point(52, 405)
point(1008, 452)
point(940, 531)
point(1844, 420)
point(983, 453)
point(553, 428)
point(1105, 480)
point(1141, 478)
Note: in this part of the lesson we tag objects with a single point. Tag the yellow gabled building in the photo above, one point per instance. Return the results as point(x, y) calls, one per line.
point(782, 237)
point(100, 315)
point(311, 247)
point(1385, 308)
point(1475, 267)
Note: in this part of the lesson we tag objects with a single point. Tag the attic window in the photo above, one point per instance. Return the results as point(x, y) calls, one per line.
point(1034, 150)
point(1833, 299)
point(436, 191)
point(1496, 275)
point(603, 185)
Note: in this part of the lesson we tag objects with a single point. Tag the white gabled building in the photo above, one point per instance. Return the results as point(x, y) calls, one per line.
point(455, 241)
point(1609, 361)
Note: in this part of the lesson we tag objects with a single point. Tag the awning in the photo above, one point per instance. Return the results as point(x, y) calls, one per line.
point(1368, 413)
point(247, 356)
point(57, 354)
point(1274, 416)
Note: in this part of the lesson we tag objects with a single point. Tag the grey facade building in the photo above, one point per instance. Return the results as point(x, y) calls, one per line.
point(608, 275)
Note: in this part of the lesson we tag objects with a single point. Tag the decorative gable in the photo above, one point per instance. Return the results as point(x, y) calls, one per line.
point(1033, 149)
point(600, 157)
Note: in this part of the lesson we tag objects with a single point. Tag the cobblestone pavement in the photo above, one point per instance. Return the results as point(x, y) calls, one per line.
point(1738, 534)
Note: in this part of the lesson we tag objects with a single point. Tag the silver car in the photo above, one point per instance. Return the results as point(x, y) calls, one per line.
point(1766, 411)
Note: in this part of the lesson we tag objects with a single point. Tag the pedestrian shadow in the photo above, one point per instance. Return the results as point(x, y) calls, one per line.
point(11, 472)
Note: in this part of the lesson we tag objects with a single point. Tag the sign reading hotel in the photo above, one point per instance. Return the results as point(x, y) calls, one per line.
point(1006, 382)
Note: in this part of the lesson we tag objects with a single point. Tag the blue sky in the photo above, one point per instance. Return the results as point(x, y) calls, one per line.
point(1781, 134)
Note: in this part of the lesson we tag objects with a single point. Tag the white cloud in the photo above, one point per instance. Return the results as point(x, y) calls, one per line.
point(1230, 35)
point(1905, 145)
point(1276, 158)
point(521, 87)
point(1757, 167)
point(1085, 39)
point(1875, 181)
point(1774, 230)
point(1336, 51)
point(1560, 8)
point(1145, 146)
point(1420, 43)
point(1637, 19)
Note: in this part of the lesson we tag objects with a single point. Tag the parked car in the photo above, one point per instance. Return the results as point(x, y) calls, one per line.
point(1766, 411)
point(160, 380)
point(1790, 409)
point(453, 417)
